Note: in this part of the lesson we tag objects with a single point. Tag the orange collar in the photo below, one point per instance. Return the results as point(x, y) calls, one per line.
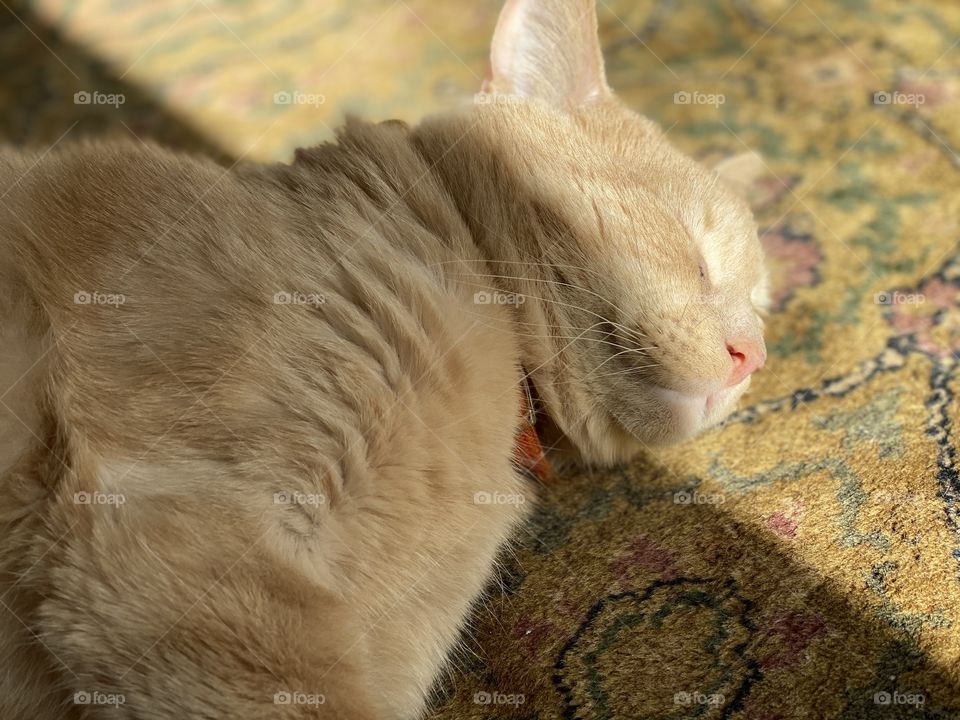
point(528, 453)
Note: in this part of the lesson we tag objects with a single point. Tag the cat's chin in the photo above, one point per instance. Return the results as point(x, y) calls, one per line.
point(688, 415)
point(668, 417)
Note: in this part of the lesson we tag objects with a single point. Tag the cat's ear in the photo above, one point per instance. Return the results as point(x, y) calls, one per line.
point(739, 172)
point(548, 49)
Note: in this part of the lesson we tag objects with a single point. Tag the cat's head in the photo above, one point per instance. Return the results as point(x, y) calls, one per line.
point(638, 272)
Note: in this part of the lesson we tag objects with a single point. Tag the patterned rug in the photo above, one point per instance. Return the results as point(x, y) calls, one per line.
point(803, 561)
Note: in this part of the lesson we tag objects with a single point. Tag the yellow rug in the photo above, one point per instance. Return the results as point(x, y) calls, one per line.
point(804, 560)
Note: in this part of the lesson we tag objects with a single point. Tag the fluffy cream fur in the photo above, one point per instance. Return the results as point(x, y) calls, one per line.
point(260, 428)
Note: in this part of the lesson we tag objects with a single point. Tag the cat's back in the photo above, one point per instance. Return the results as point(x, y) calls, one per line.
point(279, 355)
point(151, 269)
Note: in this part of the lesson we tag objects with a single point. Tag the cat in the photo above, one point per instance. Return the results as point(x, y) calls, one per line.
point(259, 446)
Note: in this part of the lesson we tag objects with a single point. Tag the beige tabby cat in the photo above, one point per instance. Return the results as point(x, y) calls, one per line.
point(257, 447)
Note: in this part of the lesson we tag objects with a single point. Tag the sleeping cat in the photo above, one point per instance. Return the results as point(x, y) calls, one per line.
point(258, 446)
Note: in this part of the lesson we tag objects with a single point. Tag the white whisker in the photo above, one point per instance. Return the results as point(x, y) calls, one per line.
point(634, 334)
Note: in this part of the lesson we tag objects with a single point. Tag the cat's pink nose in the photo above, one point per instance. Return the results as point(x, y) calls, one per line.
point(747, 356)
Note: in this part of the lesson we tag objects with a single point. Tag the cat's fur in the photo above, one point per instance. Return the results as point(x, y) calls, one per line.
point(387, 407)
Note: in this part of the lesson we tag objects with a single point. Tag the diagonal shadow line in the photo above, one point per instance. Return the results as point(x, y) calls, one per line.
point(560, 678)
point(41, 70)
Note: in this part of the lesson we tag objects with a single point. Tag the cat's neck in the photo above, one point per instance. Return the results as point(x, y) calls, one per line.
point(496, 210)
point(509, 225)
point(444, 179)
point(456, 198)
point(448, 196)
point(515, 220)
